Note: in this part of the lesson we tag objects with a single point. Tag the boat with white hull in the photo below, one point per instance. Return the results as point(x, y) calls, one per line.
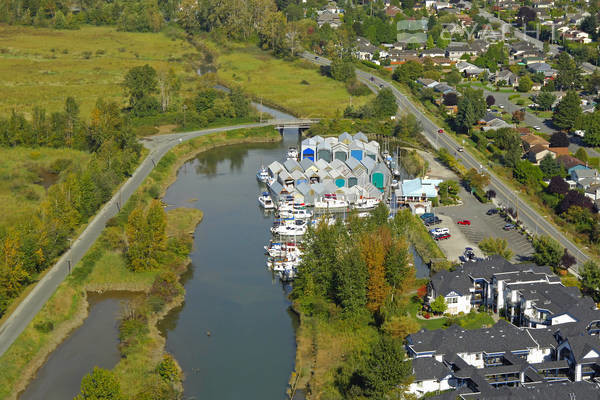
point(262, 175)
point(366, 204)
point(266, 202)
point(331, 203)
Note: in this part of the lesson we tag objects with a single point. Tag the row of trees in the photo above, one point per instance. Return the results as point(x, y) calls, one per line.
point(364, 271)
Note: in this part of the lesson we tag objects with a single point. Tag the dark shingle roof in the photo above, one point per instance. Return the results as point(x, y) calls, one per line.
point(427, 368)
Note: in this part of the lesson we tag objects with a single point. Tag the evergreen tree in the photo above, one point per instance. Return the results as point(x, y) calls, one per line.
point(373, 253)
point(569, 74)
point(547, 251)
point(567, 111)
point(545, 100)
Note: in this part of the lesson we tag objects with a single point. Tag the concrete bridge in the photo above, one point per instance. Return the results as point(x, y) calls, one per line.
point(300, 124)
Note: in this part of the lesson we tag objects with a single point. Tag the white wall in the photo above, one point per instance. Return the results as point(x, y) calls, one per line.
point(427, 386)
point(463, 304)
point(474, 359)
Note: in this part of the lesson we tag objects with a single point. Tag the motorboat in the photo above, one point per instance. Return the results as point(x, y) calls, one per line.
point(366, 204)
point(296, 228)
point(282, 249)
point(331, 202)
point(296, 213)
point(292, 153)
point(264, 200)
point(262, 175)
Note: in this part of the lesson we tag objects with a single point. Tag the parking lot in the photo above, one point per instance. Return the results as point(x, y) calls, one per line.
point(482, 226)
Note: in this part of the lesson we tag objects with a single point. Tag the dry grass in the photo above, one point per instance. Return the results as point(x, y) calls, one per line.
point(42, 67)
point(295, 86)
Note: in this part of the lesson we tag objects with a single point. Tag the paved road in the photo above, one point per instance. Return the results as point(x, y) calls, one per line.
point(29, 307)
point(535, 222)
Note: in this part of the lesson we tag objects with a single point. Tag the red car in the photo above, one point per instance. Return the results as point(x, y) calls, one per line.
point(440, 131)
point(442, 237)
point(464, 222)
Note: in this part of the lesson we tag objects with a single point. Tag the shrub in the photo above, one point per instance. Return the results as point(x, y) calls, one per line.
point(154, 191)
point(44, 326)
point(166, 286)
point(168, 369)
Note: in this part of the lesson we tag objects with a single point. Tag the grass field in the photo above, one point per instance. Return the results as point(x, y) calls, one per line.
point(42, 67)
point(295, 86)
point(24, 173)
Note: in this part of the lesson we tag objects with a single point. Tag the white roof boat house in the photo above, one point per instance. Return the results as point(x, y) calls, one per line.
point(324, 152)
point(340, 151)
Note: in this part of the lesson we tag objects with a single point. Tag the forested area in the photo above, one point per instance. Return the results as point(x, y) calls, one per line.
point(30, 243)
point(360, 276)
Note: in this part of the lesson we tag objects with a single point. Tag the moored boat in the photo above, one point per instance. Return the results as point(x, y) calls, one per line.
point(331, 202)
point(262, 175)
point(264, 200)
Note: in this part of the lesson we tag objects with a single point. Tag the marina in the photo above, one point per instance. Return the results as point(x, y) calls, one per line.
point(323, 182)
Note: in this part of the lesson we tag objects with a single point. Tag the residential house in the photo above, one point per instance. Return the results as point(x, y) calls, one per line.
point(505, 77)
point(430, 375)
point(435, 52)
point(538, 152)
point(541, 68)
point(417, 190)
point(530, 140)
point(430, 83)
point(468, 69)
point(571, 163)
point(456, 50)
point(364, 49)
point(444, 88)
point(329, 18)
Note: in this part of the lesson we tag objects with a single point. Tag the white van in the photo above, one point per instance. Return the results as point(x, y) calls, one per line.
point(579, 133)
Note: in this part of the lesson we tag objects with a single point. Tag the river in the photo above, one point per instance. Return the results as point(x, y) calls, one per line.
point(230, 293)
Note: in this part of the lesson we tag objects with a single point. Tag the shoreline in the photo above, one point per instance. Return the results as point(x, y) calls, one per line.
point(183, 153)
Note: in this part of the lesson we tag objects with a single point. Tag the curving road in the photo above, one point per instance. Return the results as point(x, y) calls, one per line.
point(29, 307)
point(536, 223)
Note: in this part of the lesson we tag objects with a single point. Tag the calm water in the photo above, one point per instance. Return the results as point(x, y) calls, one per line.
point(95, 343)
point(230, 293)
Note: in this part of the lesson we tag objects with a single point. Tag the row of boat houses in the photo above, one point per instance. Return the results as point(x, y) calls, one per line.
point(308, 181)
point(340, 148)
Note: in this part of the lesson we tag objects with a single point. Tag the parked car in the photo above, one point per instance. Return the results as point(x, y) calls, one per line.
point(432, 221)
point(579, 133)
point(427, 215)
point(440, 131)
point(439, 231)
point(501, 106)
point(469, 254)
point(537, 128)
point(464, 222)
point(492, 211)
point(442, 236)
point(508, 227)
point(460, 149)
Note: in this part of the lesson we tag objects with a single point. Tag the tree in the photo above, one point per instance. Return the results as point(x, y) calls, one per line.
point(507, 138)
point(567, 111)
point(525, 84)
point(373, 254)
point(559, 139)
point(526, 15)
point(100, 384)
point(477, 180)
point(545, 100)
point(567, 260)
point(518, 116)
point(450, 99)
point(582, 155)
point(558, 185)
point(590, 279)
point(490, 194)
point(569, 74)
point(146, 236)
point(453, 77)
point(574, 198)
point(139, 83)
point(490, 100)
point(169, 84)
point(408, 72)
point(471, 107)
point(385, 368)
point(342, 70)
point(384, 104)
point(240, 102)
point(439, 306)
point(547, 251)
point(550, 167)
point(527, 173)
point(492, 246)
point(592, 129)
point(590, 25)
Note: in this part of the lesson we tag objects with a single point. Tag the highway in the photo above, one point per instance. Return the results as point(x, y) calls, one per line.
point(533, 221)
point(158, 145)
